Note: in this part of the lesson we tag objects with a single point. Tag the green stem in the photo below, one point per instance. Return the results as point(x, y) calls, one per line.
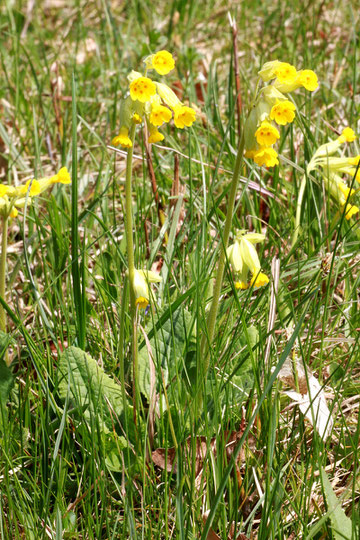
point(131, 264)
point(4, 235)
point(211, 320)
point(298, 211)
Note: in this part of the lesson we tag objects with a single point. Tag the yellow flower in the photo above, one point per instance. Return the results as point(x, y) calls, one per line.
point(136, 118)
point(285, 73)
point(184, 116)
point(34, 190)
point(283, 112)
point(347, 135)
point(354, 161)
point(240, 285)
point(259, 280)
point(3, 189)
point(266, 156)
point(142, 89)
point(350, 211)
point(123, 138)
point(266, 134)
point(141, 287)
point(160, 114)
point(308, 79)
point(243, 258)
point(62, 177)
point(13, 213)
point(163, 62)
point(155, 136)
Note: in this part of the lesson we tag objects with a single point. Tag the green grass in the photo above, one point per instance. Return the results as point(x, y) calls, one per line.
point(67, 265)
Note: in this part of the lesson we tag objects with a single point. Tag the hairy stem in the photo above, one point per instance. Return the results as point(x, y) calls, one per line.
point(131, 264)
point(4, 234)
point(298, 211)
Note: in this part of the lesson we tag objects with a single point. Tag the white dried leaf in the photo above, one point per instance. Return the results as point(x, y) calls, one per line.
point(313, 406)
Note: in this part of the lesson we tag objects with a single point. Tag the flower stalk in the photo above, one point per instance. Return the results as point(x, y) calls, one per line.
point(131, 263)
point(4, 233)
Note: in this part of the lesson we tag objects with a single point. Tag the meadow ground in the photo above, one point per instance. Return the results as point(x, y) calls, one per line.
point(178, 448)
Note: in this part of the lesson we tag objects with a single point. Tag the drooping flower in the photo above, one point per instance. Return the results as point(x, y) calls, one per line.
point(32, 187)
point(160, 114)
point(163, 62)
point(184, 116)
point(243, 258)
point(62, 177)
point(12, 198)
point(266, 156)
point(347, 135)
point(283, 112)
point(154, 135)
point(331, 167)
point(141, 288)
point(123, 138)
point(259, 280)
point(142, 89)
point(285, 73)
point(267, 134)
point(308, 79)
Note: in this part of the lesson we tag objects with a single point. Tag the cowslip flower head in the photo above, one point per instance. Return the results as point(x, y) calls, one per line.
point(331, 166)
point(141, 89)
point(283, 112)
point(267, 134)
point(243, 258)
point(12, 198)
point(141, 288)
point(151, 101)
point(162, 62)
point(271, 104)
point(123, 138)
point(266, 156)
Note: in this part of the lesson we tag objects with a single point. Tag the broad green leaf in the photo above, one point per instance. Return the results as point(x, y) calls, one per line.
point(341, 524)
point(167, 348)
point(90, 389)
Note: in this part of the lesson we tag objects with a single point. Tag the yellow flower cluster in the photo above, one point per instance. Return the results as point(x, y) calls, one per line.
point(243, 258)
point(331, 167)
point(12, 198)
point(272, 105)
point(153, 101)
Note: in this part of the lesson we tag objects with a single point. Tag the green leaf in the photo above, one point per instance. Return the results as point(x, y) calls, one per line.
point(89, 388)
point(341, 524)
point(167, 347)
